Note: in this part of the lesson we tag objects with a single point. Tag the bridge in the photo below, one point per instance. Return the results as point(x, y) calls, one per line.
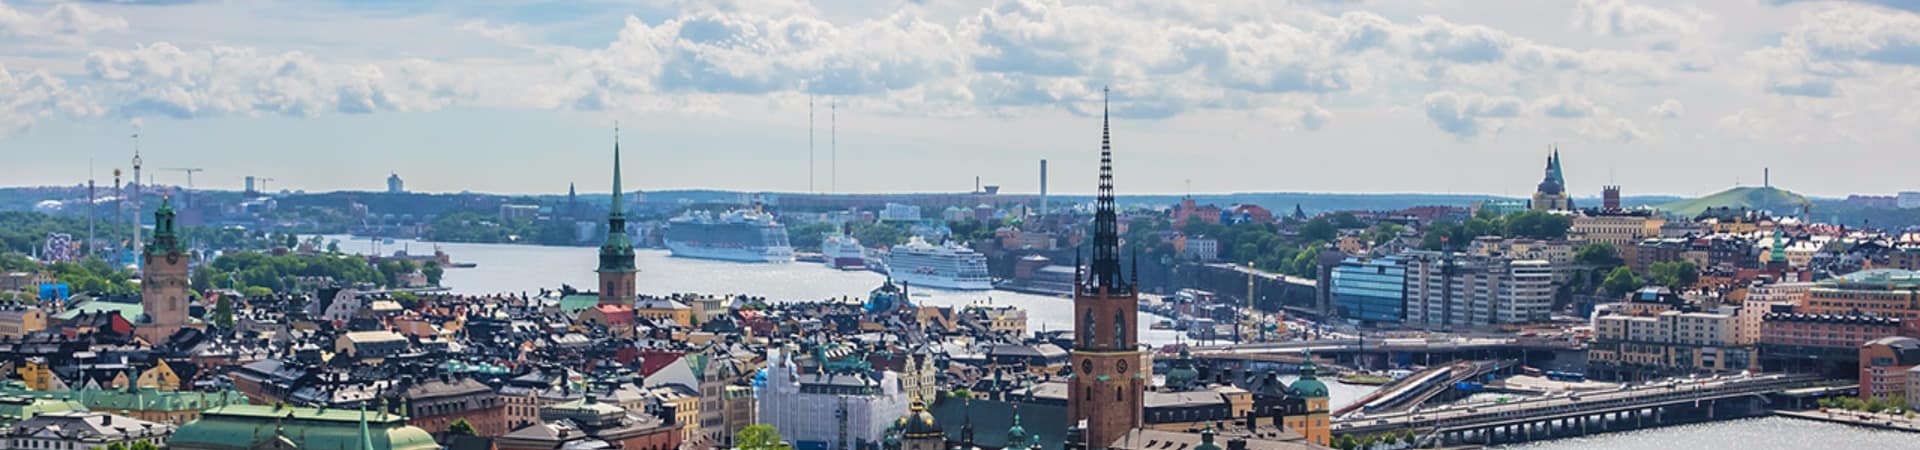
point(1420, 387)
point(1657, 404)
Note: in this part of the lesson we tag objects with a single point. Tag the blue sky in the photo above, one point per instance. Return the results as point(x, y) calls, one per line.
point(1458, 96)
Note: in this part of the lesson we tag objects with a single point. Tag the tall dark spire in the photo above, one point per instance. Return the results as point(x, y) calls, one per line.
point(616, 254)
point(1106, 233)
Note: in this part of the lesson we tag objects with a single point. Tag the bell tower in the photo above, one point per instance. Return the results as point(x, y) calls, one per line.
point(1109, 376)
point(163, 280)
point(616, 269)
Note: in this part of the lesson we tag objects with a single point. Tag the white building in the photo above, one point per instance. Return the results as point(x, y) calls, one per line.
point(895, 212)
point(1907, 200)
point(1913, 388)
point(1201, 249)
point(1453, 291)
point(82, 430)
point(840, 411)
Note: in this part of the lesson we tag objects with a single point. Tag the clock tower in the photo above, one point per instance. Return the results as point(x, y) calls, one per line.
point(1109, 376)
point(163, 281)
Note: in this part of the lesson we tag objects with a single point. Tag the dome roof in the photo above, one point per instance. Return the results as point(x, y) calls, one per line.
point(919, 424)
point(1309, 384)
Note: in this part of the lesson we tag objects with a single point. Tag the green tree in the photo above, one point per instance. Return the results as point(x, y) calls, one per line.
point(1346, 221)
point(1384, 232)
point(1537, 225)
point(223, 312)
point(392, 269)
point(333, 247)
point(461, 427)
point(807, 237)
point(1674, 274)
point(760, 437)
point(144, 445)
point(1598, 254)
point(1319, 229)
point(256, 292)
point(1620, 282)
point(433, 271)
point(879, 234)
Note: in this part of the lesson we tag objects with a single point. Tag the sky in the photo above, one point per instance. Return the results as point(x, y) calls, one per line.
point(510, 96)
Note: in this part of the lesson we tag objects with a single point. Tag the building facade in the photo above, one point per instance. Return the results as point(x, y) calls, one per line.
point(1884, 365)
point(1371, 291)
point(840, 410)
point(1451, 291)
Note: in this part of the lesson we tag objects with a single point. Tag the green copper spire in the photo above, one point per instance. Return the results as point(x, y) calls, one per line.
point(165, 241)
point(1779, 253)
point(366, 436)
point(616, 254)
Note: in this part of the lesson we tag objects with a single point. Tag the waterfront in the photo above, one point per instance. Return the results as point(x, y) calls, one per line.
point(504, 268)
point(1770, 433)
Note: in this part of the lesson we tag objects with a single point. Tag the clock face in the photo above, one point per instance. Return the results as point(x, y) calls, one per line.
point(1086, 366)
point(1120, 366)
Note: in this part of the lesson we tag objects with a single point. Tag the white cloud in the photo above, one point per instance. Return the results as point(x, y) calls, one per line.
point(1566, 106)
point(162, 79)
point(1466, 116)
point(1668, 109)
point(28, 96)
point(61, 22)
point(1623, 19)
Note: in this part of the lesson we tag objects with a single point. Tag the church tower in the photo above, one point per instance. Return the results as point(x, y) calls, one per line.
point(163, 280)
point(1551, 194)
point(616, 254)
point(1109, 377)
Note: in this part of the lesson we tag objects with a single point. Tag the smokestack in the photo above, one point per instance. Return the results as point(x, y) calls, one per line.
point(1766, 177)
point(1043, 187)
point(976, 184)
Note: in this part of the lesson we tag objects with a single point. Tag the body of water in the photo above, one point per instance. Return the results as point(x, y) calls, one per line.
point(1768, 433)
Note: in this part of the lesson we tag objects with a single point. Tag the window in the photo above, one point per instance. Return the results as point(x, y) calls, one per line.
point(1086, 335)
point(1120, 329)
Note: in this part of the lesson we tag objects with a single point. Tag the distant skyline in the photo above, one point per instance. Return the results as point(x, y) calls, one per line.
point(508, 96)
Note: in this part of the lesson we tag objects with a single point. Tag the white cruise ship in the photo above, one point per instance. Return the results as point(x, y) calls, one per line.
point(843, 252)
point(948, 266)
point(741, 235)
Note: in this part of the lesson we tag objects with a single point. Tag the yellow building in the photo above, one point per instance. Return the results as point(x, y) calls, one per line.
point(685, 403)
point(661, 308)
point(160, 377)
point(17, 321)
point(1315, 424)
point(38, 376)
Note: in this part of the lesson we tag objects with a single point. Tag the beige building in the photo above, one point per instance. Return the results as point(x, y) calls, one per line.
point(18, 321)
point(1762, 300)
point(1623, 230)
point(1633, 345)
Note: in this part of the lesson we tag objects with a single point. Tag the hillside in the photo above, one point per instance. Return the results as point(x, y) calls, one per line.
point(1780, 201)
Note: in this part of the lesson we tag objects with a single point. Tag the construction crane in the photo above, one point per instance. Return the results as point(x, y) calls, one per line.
point(263, 183)
point(189, 171)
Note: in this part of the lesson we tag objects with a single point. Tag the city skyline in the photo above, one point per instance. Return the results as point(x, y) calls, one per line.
point(517, 98)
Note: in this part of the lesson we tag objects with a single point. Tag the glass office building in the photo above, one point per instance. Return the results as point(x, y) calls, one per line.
point(1373, 291)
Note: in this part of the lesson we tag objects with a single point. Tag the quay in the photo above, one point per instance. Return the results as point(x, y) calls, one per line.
point(1858, 419)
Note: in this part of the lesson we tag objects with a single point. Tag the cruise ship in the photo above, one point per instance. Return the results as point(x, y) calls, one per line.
point(948, 266)
point(842, 251)
point(739, 235)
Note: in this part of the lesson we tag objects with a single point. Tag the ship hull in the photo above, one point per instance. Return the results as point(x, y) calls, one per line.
point(913, 279)
point(847, 263)
point(736, 254)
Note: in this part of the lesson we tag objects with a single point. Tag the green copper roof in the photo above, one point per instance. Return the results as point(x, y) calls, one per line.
point(240, 427)
point(15, 409)
point(573, 304)
point(130, 311)
point(134, 399)
point(164, 239)
point(1877, 279)
point(1309, 384)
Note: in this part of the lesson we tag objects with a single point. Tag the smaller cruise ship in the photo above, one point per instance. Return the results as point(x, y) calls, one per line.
point(842, 251)
point(946, 266)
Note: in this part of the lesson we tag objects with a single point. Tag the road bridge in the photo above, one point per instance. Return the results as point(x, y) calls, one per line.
point(1657, 404)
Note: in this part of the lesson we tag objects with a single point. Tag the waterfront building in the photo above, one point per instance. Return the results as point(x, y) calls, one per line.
point(1551, 194)
point(1646, 345)
point(1822, 342)
point(1913, 388)
point(281, 427)
point(81, 430)
point(1768, 298)
point(839, 409)
point(895, 212)
point(163, 281)
point(1371, 291)
point(1884, 363)
point(1889, 293)
point(617, 270)
point(1448, 290)
point(1109, 371)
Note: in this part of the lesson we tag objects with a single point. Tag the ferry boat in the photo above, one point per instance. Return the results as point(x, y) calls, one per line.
point(842, 251)
point(739, 235)
point(946, 266)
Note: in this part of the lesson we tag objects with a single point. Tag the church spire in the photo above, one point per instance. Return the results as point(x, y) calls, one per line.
point(1106, 234)
point(616, 254)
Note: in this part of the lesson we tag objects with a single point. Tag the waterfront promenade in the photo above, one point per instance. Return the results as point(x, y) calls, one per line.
point(1858, 418)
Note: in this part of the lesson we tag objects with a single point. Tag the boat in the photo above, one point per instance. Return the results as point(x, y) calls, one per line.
point(946, 266)
point(842, 251)
point(738, 235)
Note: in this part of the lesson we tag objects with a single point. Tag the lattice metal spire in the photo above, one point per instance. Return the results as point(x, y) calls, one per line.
point(1106, 234)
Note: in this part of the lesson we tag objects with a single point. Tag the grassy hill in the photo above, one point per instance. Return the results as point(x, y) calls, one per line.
point(1780, 201)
